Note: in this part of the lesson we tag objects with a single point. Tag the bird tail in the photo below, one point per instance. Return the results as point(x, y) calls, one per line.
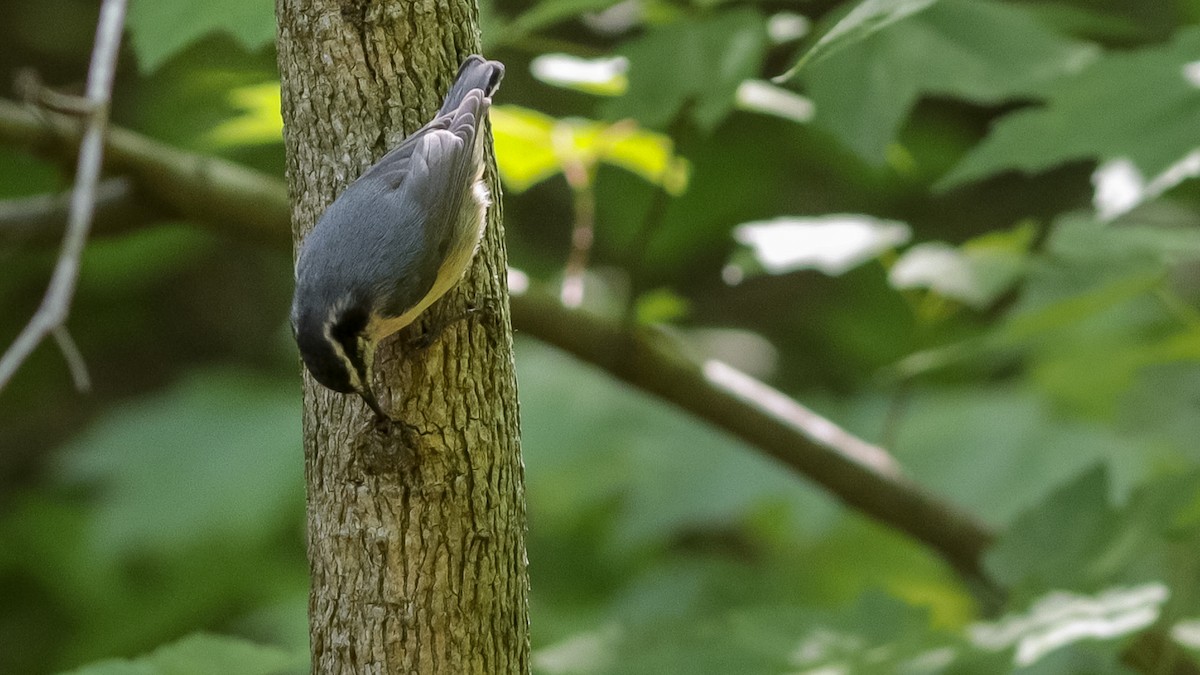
point(475, 72)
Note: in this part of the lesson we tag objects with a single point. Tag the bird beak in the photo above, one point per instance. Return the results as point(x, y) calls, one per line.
point(369, 397)
point(362, 366)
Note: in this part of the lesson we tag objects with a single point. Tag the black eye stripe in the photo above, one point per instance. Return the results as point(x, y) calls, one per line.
point(349, 326)
point(347, 331)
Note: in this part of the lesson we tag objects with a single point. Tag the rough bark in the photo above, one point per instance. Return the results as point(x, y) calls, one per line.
point(416, 544)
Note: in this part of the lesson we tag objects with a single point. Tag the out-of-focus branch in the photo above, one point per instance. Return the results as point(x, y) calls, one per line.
point(860, 474)
point(51, 315)
point(221, 194)
point(42, 219)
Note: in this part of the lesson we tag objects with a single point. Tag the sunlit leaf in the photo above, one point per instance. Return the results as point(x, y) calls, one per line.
point(1060, 619)
point(764, 97)
point(260, 122)
point(785, 27)
point(605, 77)
point(976, 273)
point(531, 147)
point(525, 151)
point(831, 244)
point(648, 154)
point(660, 306)
point(1121, 187)
point(203, 654)
point(161, 29)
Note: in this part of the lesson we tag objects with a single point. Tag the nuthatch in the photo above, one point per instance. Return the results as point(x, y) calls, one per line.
point(396, 239)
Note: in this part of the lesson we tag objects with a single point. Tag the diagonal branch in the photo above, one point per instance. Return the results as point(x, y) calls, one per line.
point(862, 475)
point(858, 473)
point(56, 305)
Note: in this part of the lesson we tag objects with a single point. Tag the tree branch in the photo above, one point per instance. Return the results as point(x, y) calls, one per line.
point(42, 219)
point(862, 475)
point(223, 195)
point(56, 305)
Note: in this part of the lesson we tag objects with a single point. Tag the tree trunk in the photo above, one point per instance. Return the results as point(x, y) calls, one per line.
point(416, 546)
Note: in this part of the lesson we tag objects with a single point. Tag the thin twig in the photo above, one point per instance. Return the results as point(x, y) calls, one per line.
point(74, 359)
point(56, 304)
point(582, 237)
point(42, 219)
point(579, 174)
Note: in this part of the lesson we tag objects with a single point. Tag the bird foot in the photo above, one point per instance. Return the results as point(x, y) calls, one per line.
point(425, 339)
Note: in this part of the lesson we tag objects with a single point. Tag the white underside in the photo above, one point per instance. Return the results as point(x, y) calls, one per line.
point(452, 269)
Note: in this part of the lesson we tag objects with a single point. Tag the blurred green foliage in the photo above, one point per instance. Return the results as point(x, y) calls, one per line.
point(1029, 349)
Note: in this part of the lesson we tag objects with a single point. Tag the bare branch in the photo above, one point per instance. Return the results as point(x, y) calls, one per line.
point(57, 302)
point(42, 219)
point(224, 196)
point(860, 474)
point(74, 359)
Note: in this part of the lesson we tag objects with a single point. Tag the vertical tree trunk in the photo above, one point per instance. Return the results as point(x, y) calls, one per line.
point(417, 554)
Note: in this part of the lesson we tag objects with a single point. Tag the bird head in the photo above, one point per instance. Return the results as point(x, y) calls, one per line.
point(337, 349)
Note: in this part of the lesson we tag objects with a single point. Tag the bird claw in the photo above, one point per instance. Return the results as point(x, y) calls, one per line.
point(426, 338)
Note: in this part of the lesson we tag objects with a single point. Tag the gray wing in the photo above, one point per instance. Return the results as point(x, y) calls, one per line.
point(429, 177)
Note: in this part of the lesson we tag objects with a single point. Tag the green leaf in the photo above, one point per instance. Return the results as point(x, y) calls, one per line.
point(589, 440)
point(866, 18)
point(1142, 105)
point(161, 29)
point(1022, 448)
point(218, 456)
point(957, 48)
point(203, 654)
point(22, 174)
point(661, 305)
point(1091, 266)
point(547, 13)
point(879, 634)
point(691, 62)
point(1129, 560)
point(1056, 544)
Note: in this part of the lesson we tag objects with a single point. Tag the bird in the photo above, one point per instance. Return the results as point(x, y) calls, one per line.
point(395, 240)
